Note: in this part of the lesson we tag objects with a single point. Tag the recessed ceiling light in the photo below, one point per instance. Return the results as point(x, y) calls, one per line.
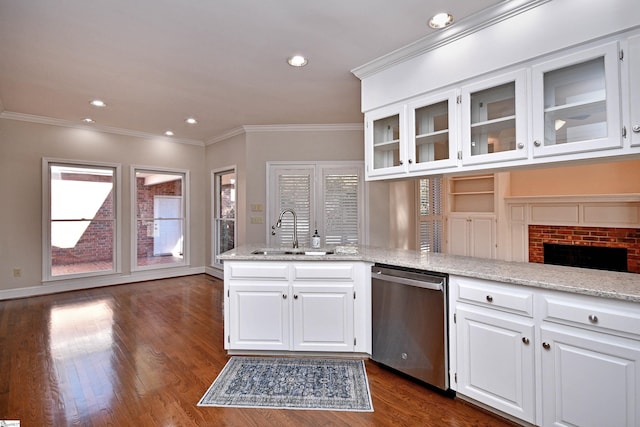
point(98, 103)
point(191, 120)
point(88, 120)
point(168, 133)
point(441, 20)
point(297, 61)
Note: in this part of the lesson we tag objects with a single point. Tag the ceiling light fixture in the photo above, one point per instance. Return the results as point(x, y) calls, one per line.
point(98, 103)
point(191, 120)
point(169, 133)
point(441, 20)
point(88, 120)
point(297, 61)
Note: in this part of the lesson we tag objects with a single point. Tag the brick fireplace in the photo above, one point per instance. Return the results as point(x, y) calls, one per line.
point(606, 237)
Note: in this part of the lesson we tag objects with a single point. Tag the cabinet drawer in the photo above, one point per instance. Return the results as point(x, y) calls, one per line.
point(496, 296)
point(609, 315)
point(323, 271)
point(258, 270)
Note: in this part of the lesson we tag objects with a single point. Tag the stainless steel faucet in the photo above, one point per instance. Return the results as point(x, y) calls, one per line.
point(295, 225)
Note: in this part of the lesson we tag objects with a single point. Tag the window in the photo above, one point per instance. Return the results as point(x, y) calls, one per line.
point(82, 221)
point(224, 209)
point(160, 224)
point(430, 219)
point(325, 196)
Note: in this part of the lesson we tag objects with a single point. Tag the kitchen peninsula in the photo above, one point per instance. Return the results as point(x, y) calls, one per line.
point(524, 338)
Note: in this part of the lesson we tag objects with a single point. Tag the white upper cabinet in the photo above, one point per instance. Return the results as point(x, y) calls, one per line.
point(633, 59)
point(576, 102)
point(385, 147)
point(432, 132)
point(494, 119)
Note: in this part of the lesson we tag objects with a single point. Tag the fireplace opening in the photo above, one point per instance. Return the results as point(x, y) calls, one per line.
point(596, 257)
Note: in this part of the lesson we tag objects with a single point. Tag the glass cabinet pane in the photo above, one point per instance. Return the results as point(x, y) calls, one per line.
point(432, 132)
point(386, 142)
point(493, 120)
point(575, 103)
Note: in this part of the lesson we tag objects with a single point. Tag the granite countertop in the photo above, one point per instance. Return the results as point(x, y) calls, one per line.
point(607, 284)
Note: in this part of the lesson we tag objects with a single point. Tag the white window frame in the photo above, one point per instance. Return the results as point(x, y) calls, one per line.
point(46, 217)
point(214, 212)
point(186, 241)
point(317, 195)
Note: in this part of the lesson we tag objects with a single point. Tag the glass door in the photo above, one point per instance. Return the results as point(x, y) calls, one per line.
point(576, 103)
point(494, 119)
point(384, 141)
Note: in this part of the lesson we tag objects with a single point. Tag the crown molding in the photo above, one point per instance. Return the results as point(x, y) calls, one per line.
point(465, 27)
point(107, 129)
point(335, 127)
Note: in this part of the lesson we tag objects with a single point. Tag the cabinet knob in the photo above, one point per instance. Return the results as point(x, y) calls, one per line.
point(295, 296)
point(546, 345)
point(520, 145)
point(636, 128)
point(284, 296)
point(489, 298)
point(401, 162)
point(537, 143)
point(593, 318)
point(525, 340)
point(410, 161)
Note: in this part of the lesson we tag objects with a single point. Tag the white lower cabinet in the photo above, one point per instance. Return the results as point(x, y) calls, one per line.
point(546, 357)
point(589, 378)
point(472, 235)
point(496, 360)
point(297, 306)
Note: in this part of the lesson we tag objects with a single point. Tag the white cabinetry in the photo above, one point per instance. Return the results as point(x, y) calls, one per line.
point(297, 306)
point(546, 357)
point(633, 76)
point(576, 102)
point(495, 347)
point(385, 151)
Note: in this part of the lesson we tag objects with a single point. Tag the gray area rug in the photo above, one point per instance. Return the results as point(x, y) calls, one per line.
point(286, 383)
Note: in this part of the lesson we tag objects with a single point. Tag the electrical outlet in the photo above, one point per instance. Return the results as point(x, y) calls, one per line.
point(17, 272)
point(257, 207)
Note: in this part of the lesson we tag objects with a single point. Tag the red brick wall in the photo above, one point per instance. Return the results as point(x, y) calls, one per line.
point(628, 238)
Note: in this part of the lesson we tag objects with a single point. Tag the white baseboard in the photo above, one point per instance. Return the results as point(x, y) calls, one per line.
point(215, 272)
point(46, 288)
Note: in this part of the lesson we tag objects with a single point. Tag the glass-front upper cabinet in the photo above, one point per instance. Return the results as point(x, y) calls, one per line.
point(494, 119)
point(432, 132)
point(633, 79)
point(576, 105)
point(385, 147)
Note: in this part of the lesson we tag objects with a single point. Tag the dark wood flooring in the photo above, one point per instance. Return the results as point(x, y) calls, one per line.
point(143, 354)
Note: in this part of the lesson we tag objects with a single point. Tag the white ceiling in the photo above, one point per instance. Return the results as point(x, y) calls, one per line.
point(156, 62)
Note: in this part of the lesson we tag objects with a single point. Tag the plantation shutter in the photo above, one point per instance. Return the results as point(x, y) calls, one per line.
point(294, 190)
point(430, 220)
point(341, 205)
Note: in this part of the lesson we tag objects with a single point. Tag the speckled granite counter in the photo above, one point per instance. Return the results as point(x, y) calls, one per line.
point(607, 284)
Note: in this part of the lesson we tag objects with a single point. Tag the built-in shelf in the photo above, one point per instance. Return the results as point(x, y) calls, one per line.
point(472, 194)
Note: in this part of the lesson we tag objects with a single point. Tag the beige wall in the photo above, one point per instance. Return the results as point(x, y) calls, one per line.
point(402, 214)
point(600, 178)
point(22, 147)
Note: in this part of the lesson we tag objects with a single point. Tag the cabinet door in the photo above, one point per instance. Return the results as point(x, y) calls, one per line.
point(496, 360)
point(385, 141)
point(432, 132)
point(576, 102)
point(589, 379)
point(458, 241)
point(259, 316)
point(482, 234)
point(633, 56)
point(323, 317)
point(494, 119)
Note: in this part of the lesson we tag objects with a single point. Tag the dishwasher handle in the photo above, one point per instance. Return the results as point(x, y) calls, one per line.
point(437, 285)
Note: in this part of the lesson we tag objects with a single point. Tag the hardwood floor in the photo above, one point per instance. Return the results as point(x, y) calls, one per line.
point(143, 354)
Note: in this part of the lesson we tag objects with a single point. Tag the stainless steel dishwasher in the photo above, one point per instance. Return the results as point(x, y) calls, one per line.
point(409, 322)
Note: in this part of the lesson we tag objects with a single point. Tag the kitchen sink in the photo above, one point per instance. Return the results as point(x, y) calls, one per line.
point(317, 252)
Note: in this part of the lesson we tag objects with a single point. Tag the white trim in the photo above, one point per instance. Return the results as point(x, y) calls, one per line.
point(212, 219)
point(46, 220)
point(186, 204)
point(95, 282)
point(245, 129)
point(214, 272)
point(584, 198)
point(490, 16)
point(97, 128)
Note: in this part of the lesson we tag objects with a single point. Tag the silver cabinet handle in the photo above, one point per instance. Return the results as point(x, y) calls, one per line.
point(284, 296)
point(546, 345)
point(489, 298)
point(525, 340)
point(295, 296)
point(636, 128)
point(401, 163)
point(410, 161)
point(593, 318)
point(537, 143)
point(520, 145)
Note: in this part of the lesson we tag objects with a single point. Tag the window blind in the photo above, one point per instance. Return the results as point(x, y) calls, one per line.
point(431, 223)
point(294, 191)
point(341, 208)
